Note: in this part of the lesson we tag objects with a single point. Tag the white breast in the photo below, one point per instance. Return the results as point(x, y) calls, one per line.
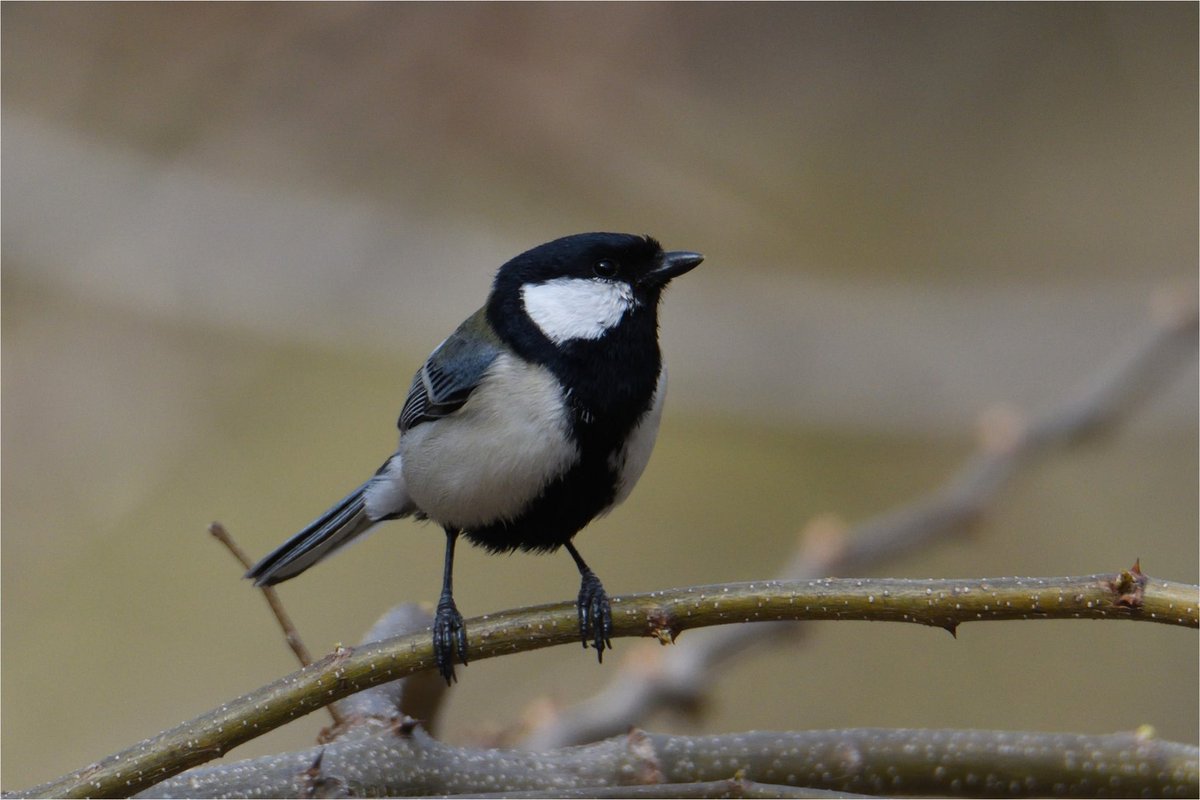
point(486, 461)
point(576, 308)
point(630, 461)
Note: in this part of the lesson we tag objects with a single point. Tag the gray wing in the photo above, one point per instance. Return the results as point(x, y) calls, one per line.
point(443, 384)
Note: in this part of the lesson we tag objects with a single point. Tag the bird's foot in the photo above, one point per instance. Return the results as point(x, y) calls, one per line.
point(449, 633)
point(595, 615)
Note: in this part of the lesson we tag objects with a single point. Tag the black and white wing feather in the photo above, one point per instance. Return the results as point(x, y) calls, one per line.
point(443, 384)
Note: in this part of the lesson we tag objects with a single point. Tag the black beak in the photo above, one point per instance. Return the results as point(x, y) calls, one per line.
point(673, 264)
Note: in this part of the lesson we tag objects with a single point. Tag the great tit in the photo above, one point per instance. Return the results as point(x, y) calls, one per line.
point(535, 416)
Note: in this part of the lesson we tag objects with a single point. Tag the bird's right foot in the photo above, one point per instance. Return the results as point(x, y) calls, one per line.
point(595, 615)
point(449, 634)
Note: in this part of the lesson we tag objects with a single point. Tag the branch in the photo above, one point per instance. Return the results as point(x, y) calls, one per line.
point(943, 603)
point(730, 787)
point(290, 634)
point(647, 681)
point(407, 761)
point(418, 696)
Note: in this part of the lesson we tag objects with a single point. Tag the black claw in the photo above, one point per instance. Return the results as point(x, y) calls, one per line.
point(449, 634)
point(595, 615)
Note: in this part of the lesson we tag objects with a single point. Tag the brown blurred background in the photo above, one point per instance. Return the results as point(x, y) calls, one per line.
point(231, 233)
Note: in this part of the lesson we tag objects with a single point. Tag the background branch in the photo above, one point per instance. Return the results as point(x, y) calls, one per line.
point(663, 615)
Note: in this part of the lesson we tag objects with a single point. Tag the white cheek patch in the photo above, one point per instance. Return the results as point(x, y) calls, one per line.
point(576, 308)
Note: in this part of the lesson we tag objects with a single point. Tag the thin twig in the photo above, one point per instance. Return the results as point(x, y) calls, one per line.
point(663, 615)
point(648, 681)
point(290, 633)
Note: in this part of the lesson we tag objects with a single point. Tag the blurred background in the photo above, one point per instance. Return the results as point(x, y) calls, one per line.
point(232, 232)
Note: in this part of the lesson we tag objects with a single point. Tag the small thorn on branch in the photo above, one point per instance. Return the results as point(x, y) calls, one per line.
point(404, 725)
point(1129, 586)
point(661, 627)
point(312, 775)
point(315, 784)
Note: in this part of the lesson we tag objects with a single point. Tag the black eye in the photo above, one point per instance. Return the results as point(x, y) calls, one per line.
point(605, 268)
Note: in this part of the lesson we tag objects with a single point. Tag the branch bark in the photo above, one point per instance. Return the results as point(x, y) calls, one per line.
point(405, 761)
point(1127, 595)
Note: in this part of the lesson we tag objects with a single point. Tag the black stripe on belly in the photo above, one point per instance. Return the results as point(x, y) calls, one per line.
point(566, 506)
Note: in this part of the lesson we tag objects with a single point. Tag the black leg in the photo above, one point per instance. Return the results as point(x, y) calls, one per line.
point(448, 629)
point(595, 613)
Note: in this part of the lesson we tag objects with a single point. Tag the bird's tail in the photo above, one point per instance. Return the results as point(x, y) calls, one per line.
point(326, 534)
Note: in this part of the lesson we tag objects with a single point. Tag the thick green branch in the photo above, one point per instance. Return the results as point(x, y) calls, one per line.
point(943, 603)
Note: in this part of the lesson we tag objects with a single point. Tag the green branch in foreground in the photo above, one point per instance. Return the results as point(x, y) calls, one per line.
point(943, 603)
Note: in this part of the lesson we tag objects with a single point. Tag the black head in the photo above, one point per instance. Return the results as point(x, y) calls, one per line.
point(582, 287)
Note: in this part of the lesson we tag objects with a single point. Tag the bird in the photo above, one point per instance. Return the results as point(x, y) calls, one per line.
point(535, 416)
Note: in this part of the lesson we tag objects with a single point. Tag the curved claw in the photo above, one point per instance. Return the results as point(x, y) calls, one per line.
point(595, 615)
point(449, 634)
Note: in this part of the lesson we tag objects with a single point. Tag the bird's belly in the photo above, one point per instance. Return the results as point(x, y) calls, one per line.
point(488, 460)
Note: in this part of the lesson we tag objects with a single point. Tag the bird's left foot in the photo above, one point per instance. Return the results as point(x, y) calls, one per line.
point(595, 615)
point(449, 634)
